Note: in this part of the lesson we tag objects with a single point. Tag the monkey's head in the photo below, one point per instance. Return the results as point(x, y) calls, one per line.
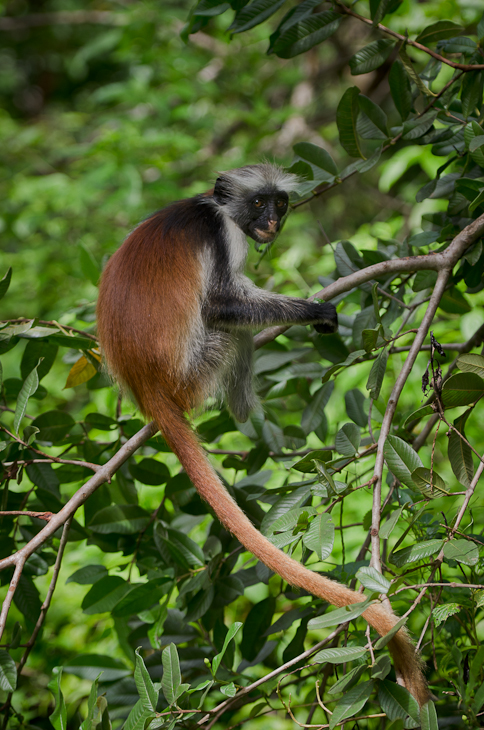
point(256, 198)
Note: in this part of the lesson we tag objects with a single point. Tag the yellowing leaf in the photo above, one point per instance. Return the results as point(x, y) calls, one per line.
point(81, 371)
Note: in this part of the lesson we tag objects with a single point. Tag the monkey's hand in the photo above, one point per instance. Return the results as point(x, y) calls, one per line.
point(329, 319)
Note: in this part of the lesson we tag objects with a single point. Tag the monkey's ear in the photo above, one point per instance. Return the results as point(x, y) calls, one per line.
point(220, 192)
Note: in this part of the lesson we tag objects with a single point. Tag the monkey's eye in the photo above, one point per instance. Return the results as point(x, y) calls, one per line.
point(281, 203)
point(258, 203)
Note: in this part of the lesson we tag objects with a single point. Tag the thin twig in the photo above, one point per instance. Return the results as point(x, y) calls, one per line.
point(47, 516)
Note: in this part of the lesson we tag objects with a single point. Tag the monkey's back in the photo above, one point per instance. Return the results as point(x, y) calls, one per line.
point(149, 308)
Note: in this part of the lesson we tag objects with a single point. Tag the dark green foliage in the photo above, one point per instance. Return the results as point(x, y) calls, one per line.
point(165, 616)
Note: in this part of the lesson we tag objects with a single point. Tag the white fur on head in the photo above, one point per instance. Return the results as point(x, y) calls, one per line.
point(257, 177)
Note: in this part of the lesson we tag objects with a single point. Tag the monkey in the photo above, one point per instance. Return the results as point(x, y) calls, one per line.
point(175, 318)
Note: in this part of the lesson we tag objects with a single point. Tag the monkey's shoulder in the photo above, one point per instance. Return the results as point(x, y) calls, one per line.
point(195, 219)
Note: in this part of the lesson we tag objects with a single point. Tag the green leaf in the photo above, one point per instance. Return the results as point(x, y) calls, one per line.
point(402, 460)
point(440, 614)
point(44, 477)
point(316, 156)
point(59, 717)
point(141, 597)
point(138, 718)
point(89, 266)
point(471, 92)
point(458, 45)
point(348, 679)
point(463, 551)
point(34, 351)
point(413, 129)
point(89, 666)
point(380, 8)
point(144, 684)
point(354, 402)
point(397, 701)
point(479, 200)
point(8, 672)
point(371, 56)
point(400, 89)
point(383, 640)
point(88, 574)
point(338, 616)
point(454, 302)
point(438, 31)
point(105, 594)
point(351, 703)
point(304, 33)
point(461, 389)
point(320, 536)
point(307, 465)
point(471, 362)
point(231, 633)
point(5, 283)
point(346, 118)
point(256, 624)
point(377, 373)
point(313, 414)
point(374, 113)
point(348, 439)
point(429, 483)
point(428, 717)
point(382, 667)
point(460, 453)
point(92, 707)
point(424, 280)
point(273, 436)
point(288, 520)
point(253, 14)
point(334, 368)
point(373, 580)
point(387, 527)
point(53, 425)
point(478, 700)
point(171, 681)
point(31, 383)
point(125, 519)
point(339, 654)
point(229, 690)
point(476, 143)
point(150, 471)
point(416, 552)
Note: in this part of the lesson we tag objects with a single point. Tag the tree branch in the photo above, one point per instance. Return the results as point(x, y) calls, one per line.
point(408, 42)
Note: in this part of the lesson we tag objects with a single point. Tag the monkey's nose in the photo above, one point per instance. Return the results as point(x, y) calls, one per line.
point(273, 226)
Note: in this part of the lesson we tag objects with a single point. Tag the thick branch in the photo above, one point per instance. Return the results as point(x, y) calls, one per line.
point(430, 262)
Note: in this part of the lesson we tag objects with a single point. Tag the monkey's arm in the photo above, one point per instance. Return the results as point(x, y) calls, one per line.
point(254, 307)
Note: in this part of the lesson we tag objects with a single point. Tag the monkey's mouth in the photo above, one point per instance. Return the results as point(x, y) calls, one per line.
point(265, 236)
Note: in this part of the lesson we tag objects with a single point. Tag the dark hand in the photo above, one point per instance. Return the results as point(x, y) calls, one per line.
point(329, 319)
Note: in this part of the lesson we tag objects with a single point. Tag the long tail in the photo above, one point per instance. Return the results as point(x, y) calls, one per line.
point(183, 442)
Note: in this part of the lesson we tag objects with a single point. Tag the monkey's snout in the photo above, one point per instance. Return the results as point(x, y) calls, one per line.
point(268, 234)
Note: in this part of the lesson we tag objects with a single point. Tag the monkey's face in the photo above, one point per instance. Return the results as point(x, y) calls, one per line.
point(265, 214)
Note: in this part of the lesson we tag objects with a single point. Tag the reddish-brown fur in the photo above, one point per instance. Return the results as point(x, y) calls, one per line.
point(150, 294)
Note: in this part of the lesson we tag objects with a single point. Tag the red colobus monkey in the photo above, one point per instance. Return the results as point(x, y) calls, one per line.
point(175, 316)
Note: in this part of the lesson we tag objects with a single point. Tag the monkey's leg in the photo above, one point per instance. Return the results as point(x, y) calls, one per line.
point(253, 307)
point(238, 386)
